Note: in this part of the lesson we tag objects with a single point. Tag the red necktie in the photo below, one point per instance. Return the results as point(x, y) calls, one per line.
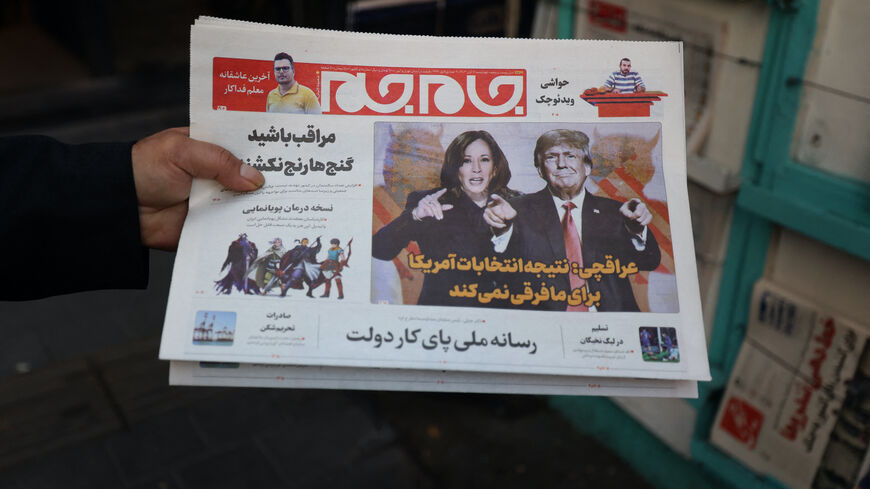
point(573, 251)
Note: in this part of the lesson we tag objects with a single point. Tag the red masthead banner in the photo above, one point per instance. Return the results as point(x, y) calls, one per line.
point(243, 84)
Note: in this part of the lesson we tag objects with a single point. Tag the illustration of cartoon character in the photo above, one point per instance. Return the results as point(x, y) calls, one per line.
point(331, 268)
point(299, 266)
point(240, 255)
point(265, 268)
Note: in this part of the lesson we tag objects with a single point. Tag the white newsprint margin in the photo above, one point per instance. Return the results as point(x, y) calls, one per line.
point(315, 377)
point(328, 185)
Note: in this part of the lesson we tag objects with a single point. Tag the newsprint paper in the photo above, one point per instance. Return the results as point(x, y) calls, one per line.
point(439, 210)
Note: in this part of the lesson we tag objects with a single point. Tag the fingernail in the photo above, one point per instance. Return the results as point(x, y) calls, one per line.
point(252, 175)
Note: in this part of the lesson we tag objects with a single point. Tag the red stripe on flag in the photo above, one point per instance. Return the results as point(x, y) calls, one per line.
point(609, 189)
point(404, 272)
point(664, 243)
point(658, 206)
point(381, 212)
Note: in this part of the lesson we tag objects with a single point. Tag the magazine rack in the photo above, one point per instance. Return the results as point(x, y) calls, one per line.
point(775, 191)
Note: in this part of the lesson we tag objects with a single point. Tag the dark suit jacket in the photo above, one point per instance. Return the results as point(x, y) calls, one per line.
point(537, 235)
point(69, 218)
point(462, 231)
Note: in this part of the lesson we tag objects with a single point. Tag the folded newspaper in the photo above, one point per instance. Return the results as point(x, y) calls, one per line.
point(456, 214)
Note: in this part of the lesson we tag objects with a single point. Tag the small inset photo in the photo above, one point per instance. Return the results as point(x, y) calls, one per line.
point(659, 344)
point(214, 328)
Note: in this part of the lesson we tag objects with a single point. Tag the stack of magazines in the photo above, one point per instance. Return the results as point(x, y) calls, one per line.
point(438, 214)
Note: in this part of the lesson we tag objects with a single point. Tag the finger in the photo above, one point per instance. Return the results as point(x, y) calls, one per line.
point(493, 219)
point(437, 195)
point(206, 160)
point(497, 213)
point(446, 207)
point(161, 228)
point(496, 200)
point(646, 217)
point(495, 224)
point(642, 212)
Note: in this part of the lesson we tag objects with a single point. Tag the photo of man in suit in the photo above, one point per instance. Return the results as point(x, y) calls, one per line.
point(564, 221)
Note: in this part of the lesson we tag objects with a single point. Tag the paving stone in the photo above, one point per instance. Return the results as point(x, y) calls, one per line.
point(84, 465)
point(152, 446)
point(79, 324)
point(237, 414)
point(296, 404)
point(166, 480)
point(499, 441)
point(242, 467)
point(138, 381)
point(20, 346)
point(50, 408)
point(385, 469)
point(34, 316)
point(321, 444)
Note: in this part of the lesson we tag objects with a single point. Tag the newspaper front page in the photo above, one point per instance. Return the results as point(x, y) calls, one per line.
point(415, 212)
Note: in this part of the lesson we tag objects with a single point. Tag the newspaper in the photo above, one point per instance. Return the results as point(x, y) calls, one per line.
point(288, 376)
point(368, 245)
point(796, 403)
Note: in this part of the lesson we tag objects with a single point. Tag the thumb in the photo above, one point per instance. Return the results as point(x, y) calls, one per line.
point(206, 160)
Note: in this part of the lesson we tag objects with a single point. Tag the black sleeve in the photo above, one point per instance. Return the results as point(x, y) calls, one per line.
point(69, 218)
point(651, 256)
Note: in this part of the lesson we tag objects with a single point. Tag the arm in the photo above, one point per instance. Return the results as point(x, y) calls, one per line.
point(643, 249)
point(419, 209)
point(69, 214)
point(499, 215)
point(390, 239)
point(609, 84)
point(638, 84)
point(79, 217)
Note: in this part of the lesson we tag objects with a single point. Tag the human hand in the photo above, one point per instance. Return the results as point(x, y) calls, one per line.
point(636, 215)
point(164, 166)
point(499, 214)
point(430, 207)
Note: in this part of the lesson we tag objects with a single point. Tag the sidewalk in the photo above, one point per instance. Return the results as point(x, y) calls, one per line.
point(110, 420)
point(96, 411)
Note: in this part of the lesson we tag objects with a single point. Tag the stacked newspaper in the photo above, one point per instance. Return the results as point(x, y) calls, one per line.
point(438, 214)
point(796, 406)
